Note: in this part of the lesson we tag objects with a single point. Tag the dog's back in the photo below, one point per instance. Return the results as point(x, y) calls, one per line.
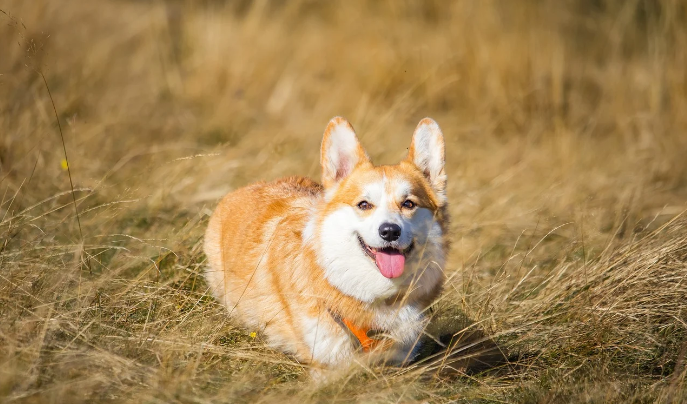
point(268, 278)
point(252, 229)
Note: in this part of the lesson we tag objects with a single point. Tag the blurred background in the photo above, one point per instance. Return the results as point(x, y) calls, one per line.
point(566, 142)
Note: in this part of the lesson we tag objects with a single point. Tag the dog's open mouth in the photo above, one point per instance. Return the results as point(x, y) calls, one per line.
point(390, 261)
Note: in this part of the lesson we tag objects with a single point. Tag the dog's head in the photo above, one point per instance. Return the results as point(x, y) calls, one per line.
point(380, 230)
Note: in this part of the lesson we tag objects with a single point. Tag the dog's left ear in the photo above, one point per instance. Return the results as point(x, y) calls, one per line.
point(341, 152)
point(427, 153)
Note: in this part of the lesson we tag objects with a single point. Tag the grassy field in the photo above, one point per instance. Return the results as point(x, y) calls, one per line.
point(566, 130)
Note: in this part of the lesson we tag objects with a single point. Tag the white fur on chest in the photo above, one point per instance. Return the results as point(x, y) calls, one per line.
point(328, 342)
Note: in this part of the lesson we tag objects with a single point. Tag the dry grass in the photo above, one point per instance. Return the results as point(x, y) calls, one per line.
point(566, 138)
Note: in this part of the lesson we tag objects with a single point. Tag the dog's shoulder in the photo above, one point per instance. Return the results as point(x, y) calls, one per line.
point(277, 194)
point(295, 187)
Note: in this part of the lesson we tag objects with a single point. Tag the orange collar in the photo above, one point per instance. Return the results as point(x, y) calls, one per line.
point(361, 334)
point(369, 339)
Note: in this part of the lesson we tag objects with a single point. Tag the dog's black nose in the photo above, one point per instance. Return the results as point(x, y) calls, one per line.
point(390, 231)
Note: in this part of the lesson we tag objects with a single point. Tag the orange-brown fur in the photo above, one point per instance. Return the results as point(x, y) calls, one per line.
point(293, 283)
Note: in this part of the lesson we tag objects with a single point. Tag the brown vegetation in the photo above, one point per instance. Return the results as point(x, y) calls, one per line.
point(566, 138)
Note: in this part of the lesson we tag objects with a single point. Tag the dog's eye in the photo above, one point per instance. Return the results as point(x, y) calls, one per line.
point(364, 205)
point(408, 204)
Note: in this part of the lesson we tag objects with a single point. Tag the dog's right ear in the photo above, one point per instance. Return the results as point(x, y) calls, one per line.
point(427, 153)
point(341, 152)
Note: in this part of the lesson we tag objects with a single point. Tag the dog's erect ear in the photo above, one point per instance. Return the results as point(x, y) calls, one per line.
point(341, 152)
point(427, 153)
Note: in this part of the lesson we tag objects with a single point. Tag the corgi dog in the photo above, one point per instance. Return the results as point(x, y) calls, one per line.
point(343, 270)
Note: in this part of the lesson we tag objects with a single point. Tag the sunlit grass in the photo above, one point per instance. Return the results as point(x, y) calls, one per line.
point(565, 131)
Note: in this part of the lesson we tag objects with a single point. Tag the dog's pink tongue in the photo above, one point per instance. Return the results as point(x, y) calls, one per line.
point(390, 263)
